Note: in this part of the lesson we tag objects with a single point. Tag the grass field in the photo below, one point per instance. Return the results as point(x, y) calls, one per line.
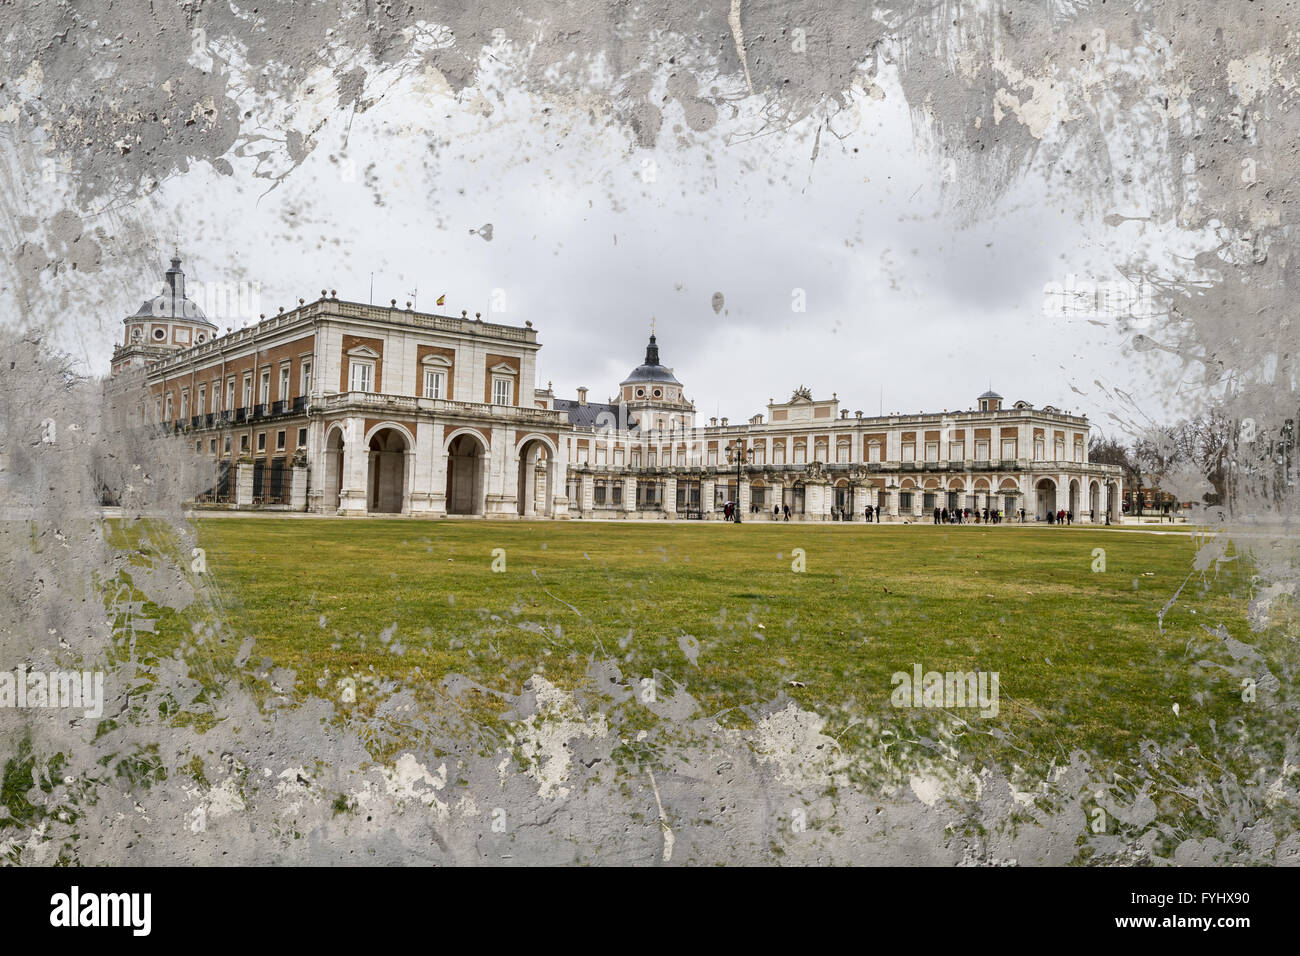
point(1083, 658)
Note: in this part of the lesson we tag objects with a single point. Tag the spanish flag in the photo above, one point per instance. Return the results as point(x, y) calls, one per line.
point(442, 299)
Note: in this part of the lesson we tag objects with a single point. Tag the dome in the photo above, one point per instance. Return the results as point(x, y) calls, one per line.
point(651, 370)
point(990, 394)
point(171, 302)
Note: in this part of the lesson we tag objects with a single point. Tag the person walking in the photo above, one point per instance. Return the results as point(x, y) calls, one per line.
point(785, 509)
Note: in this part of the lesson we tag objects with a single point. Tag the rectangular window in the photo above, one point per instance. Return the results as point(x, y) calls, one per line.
point(842, 453)
point(800, 453)
point(598, 494)
point(617, 495)
point(302, 438)
point(713, 456)
point(601, 453)
point(363, 375)
point(1039, 449)
point(956, 451)
point(760, 455)
point(264, 390)
point(618, 457)
point(279, 440)
point(169, 407)
point(283, 394)
point(932, 451)
point(1008, 449)
point(248, 389)
point(212, 446)
point(243, 443)
point(198, 447)
point(261, 441)
point(185, 403)
point(981, 449)
point(873, 452)
point(227, 445)
point(203, 400)
point(433, 383)
point(501, 391)
point(909, 451)
point(1060, 449)
point(305, 387)
point(230, 394)
point(778, 454)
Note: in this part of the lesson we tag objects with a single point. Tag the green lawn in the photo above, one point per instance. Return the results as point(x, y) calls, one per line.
point(1082, 660)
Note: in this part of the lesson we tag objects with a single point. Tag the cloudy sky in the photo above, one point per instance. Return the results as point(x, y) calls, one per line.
point(836, 247)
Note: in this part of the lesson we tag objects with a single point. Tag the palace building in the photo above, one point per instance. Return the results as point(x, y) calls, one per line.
point(336, 407)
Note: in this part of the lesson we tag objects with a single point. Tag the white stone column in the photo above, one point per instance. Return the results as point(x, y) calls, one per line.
point(408, 479)
point(422, 470)
point(670, 497)
point(587, 494)
point(891, 505)
point(708, 490)
point(244, 484)
point(298, 486)
point(356, 468)
point(503, 475)
point(743, 497)
point(629, 494)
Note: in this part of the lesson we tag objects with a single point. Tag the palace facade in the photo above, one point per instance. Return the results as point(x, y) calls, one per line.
point(336, 407)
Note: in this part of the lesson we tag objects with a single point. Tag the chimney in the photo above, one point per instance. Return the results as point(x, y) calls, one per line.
point(713, 423)
point(582, 395)
point(724, 423)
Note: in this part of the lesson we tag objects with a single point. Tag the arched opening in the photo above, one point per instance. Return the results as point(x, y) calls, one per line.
point(386, 483)
point(844, 504)
point(333, 483)
point(466, 471)
point(1046, 493)
point(535, 493)
point(1073, 507)
point(1113, 501)
point(1094, 502)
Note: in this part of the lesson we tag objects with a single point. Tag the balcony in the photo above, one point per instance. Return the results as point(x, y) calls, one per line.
point(241, 414)
point(196, 421)
point(261, 411)
point(280, 408)
point(393, 404)
point(209, 419)
point(300, 403)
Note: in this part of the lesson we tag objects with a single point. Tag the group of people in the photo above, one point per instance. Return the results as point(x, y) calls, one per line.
point(962, 515)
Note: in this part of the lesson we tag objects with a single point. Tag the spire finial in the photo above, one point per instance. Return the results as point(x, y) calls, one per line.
point(652, 326)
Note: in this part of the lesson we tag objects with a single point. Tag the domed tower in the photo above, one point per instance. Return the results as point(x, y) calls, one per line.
point(164, 323)
point(990, 401)
point(653, 396)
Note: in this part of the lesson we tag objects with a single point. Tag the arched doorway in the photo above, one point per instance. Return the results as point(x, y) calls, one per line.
point(536, 466)
point(333, 483)
point(1073, 507)
point(1046, 493)
point(1094, 501)
point(466, 468)
point(386, 485)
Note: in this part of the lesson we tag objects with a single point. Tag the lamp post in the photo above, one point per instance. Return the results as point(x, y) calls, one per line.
point(739, 452)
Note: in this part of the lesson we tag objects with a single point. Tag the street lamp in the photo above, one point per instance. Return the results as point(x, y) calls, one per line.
point(739, 452)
